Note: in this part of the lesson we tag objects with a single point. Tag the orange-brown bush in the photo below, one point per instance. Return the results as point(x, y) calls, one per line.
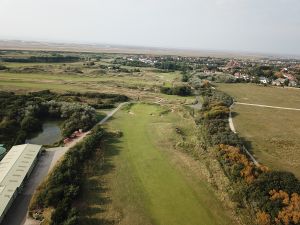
point(234, 155)
point(290, 213)
point(263, 218)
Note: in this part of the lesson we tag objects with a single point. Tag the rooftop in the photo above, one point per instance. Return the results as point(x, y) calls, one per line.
point(13, 170)
point(2, 150)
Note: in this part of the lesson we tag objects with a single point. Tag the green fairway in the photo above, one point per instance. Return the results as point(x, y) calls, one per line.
point(141, 183)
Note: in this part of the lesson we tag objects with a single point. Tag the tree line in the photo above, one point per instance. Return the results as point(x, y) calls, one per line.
point(42, 59)
point(23, 115)
point(64, 184)
point(274, 196)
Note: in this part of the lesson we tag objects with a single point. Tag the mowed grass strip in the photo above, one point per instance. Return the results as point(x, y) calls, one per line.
point(139, 183)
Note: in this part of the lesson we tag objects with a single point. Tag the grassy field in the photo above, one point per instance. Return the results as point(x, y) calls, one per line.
point(252, 93)
point(142, 182)
point(273, 133)
point(46, 78)
point(55, 76)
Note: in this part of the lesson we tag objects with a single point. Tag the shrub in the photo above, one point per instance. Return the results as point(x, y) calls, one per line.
point(63, 185)
point(31, 124)
point(2, 67)
point(179, 90)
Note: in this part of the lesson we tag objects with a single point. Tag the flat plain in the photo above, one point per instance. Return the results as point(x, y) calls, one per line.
point(273, 134)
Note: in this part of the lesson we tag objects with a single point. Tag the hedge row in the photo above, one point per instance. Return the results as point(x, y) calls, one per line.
point(62, 187)
point(274, 196)
point(214, 118)
point(42, 59)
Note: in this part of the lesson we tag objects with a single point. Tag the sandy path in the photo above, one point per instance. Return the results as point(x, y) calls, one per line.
point(266, 106)
point(231, 125)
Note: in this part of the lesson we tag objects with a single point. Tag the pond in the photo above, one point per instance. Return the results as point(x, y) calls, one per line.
point(50, 134)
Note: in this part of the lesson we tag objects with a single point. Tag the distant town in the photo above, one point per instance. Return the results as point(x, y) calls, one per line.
point(276, 72)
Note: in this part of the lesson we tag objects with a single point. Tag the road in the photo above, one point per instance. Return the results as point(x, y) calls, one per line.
point(17, 214)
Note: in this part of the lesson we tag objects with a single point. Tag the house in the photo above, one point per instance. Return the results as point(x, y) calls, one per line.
point(263, 80)
point(290, 77)
point(233, 64)
point(278, 82)
point(246, 77)
point(292, 83)
point(237, 75)
point(209, 71)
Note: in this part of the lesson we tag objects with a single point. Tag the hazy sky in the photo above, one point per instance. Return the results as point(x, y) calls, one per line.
point(269, 26)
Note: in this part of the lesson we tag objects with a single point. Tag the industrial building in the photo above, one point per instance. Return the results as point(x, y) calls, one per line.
point(15, 168)
point(2, 151)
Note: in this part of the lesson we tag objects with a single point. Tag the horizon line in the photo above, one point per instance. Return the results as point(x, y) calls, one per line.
point(111, 46)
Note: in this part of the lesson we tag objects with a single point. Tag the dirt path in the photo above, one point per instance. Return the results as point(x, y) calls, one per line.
point(266, 106)
point(108, 116)
point(232, 128)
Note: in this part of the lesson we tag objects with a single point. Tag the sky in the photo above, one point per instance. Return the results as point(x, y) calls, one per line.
point(262, 26)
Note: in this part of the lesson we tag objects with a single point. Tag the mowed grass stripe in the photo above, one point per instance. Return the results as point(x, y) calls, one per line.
point(149, 180)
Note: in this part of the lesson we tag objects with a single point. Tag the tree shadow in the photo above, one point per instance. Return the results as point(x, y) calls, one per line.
point(248, 144)
point(95, 184)
point(100, 221)
point(234, 114)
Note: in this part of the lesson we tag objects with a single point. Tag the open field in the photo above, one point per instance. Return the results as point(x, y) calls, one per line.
point(55, 77)
point(252, 93)
point(142, 182)
point(273, 133)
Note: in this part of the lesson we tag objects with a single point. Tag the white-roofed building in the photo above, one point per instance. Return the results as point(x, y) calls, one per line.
point(15, 167)
point(2, 151)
